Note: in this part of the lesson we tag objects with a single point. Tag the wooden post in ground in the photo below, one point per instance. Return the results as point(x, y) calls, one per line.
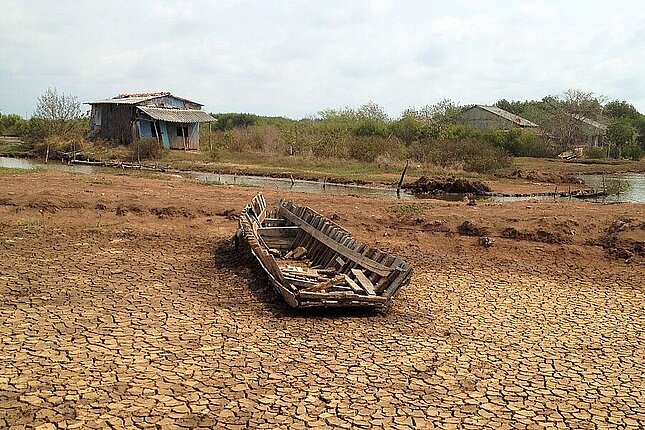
point(398, 187)
point(210, 144)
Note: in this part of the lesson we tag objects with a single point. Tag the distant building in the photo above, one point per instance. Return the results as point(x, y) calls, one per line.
point(588, 131)
point(172, 120)
point(491, 117)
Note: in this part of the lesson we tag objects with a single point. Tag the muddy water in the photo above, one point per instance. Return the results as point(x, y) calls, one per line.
point(242, 180)
point(622, 188)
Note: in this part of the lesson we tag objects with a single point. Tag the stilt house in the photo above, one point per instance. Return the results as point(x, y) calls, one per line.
point(172, 120)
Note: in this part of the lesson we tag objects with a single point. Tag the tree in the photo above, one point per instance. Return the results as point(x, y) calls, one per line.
point(618, 109)
point(58, 113)
point(621, 133)
point(567, 111)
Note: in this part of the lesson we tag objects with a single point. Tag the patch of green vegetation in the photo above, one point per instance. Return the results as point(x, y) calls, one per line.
point(143, 174)
point(100, 182)
point(30, 223)
point(408, 210)
point(12, 171)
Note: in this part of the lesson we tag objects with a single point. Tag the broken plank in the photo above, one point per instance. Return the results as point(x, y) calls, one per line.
point(353, 255)
point(365, 283)
point(353, 285)
point(327, 284)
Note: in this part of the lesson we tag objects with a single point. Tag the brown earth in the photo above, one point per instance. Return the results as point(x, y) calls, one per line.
point(122, 305)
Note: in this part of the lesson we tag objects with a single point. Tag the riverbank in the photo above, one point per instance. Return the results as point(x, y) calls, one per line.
point(123, 305)
point(527, 176)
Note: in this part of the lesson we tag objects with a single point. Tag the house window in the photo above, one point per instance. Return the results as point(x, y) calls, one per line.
point(182, 131)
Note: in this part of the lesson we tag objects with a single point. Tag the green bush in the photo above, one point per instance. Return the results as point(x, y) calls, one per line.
point(147, 148)
point(370, 148)
point(520, 143)
point(633, 152)
point(595, 152)
point(474, 156)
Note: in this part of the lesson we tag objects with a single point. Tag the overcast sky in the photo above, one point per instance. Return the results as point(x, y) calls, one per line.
point(295, 58)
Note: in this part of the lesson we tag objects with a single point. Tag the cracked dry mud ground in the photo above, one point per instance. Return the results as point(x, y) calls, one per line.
point(148, 319)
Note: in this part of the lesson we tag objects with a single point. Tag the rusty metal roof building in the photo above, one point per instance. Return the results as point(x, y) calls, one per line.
point(173, 121)
point(176, 115)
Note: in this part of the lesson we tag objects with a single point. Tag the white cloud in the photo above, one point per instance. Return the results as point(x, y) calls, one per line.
point(295, 57)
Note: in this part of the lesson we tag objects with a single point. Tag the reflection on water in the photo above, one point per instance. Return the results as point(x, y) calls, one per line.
point(243, 180)
point(622, 188)
point(300, 186)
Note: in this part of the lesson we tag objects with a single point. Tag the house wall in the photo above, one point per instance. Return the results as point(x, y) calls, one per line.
point(477, 117)
point(171, 101)
point(591, 136)
point(113, 122)
point(192, 137)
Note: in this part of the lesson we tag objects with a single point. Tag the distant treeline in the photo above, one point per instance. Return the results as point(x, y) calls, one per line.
point(435, 134)
point(432, 134)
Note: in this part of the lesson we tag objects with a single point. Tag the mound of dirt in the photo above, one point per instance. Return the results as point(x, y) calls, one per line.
point(540, 235)
point(623, 239)
point(467, 228)
point(548, 177)
point(449, 184)
point(171, 211)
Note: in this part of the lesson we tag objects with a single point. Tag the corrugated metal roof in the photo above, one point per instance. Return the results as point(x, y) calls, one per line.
point(123, 100)
point(591, 122)
point(136, 98)
point(522, 122)
point(176, 115)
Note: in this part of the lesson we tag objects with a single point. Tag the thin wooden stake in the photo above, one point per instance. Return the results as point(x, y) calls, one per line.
point(398, 188)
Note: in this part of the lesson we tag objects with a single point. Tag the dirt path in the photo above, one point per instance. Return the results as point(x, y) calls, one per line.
point(122, 306)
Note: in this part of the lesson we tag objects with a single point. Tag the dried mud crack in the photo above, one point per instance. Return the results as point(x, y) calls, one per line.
point(148, 319)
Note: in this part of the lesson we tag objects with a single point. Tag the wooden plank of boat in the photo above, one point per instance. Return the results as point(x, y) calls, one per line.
point(287, 231)
point(342, 295)
point(365, 283)
point(326, 285)
point(349, 253)
point(353, 285)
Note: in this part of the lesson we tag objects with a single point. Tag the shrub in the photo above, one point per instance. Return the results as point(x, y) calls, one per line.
point(370, 148)
point(595, 152)
point(146, 148)
point(475, 156)
point(633, 152)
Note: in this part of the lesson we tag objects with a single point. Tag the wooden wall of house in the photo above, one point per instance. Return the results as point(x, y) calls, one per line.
point(482, 119)
point(176, 139)
point(171, 101)
point(113, 122)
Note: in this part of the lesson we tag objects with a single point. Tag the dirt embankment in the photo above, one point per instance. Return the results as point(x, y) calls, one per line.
point(447, 184)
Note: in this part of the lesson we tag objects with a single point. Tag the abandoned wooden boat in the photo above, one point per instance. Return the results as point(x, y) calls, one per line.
point(313, 262)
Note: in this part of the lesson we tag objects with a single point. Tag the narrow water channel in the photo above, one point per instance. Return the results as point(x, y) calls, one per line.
point(621, 188)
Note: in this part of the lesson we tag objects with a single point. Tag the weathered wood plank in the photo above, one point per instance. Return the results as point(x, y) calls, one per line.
point(352, 255)
point(365, 283)
point(290, 231)
point(353, 285)
point(342, 295)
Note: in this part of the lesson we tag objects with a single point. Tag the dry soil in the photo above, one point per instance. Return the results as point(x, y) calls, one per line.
point(122, 305)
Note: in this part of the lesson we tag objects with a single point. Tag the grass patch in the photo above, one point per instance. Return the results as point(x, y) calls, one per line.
point(30, 223)
point(577, 166)
point(101, 182)
point(143, 174)
point(13, 171)
point(408, 210)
